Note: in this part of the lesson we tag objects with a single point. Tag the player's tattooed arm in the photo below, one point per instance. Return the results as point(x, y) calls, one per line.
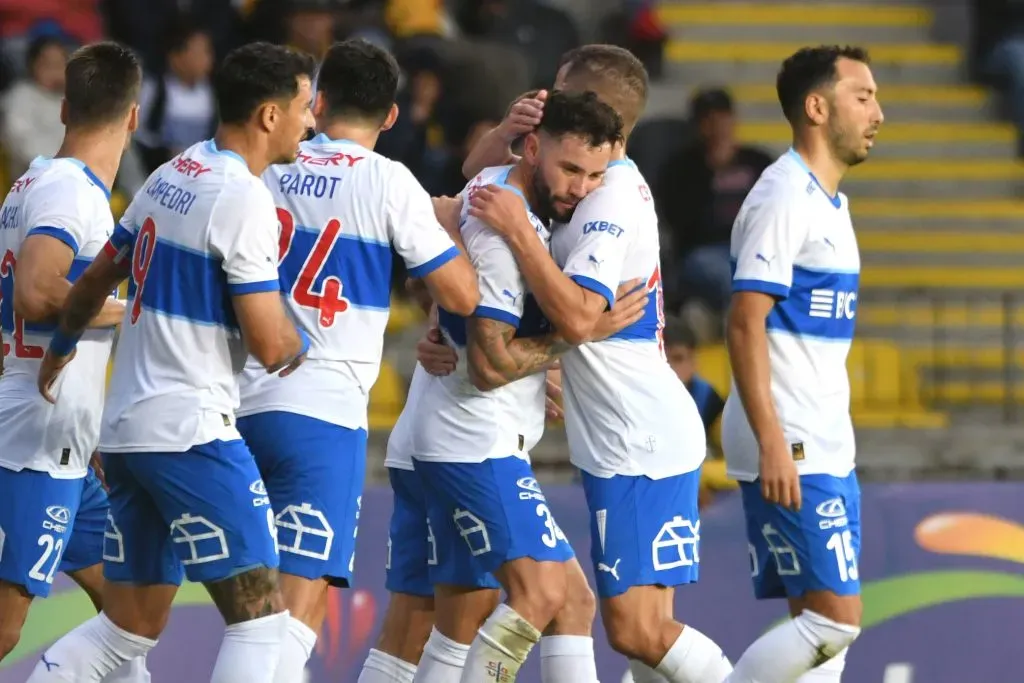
point(496, 357)
point(250, 595)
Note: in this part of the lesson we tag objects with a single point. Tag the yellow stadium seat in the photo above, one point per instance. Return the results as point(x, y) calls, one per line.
point(404, 314)
point(386, 398)
point(118, 204)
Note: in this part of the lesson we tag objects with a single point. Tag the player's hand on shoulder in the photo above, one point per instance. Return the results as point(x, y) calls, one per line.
point(436, 357)
point(49, 371)
point(780, 480)
point(448, 211)
point(523, 116)
point(630, 305)
point(501, 209)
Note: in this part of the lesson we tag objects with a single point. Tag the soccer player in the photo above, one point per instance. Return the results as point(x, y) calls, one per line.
point(786, 429)
point(54, 221)
point(632, 427)
point(473, 430)
point(200, 242)
point(341, 207)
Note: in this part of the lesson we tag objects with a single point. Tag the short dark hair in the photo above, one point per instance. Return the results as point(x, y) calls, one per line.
point(710, 101)
point(256, 73)
point(102, 82)
point(678, 333)
point(182, 31)
point(614, 73)
point(581, 114)
point(810, 68)
point(358, 79)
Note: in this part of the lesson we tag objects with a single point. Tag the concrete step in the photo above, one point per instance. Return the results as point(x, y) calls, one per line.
point(811, 24)
point(759, 102)
point(992, 216)
point(700, 62)
point(939, 315)
point(951, 249)
point(924, 277)
point(967, 180)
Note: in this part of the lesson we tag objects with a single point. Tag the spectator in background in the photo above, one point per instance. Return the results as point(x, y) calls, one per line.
point(21, 21)
point(681, 352)
point(31, 109)
point(699, 191)
point(999, 53)
point(176, 107)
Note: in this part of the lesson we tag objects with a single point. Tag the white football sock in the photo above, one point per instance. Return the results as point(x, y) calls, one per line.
point(380, 667)
point(567, 658)
point(134, 671)
point(297, 646)
point(251, 651)
point(443, 660)
point(694, 658)
point(791, 649)
point(644, 674)
point(90, 652)
point(829, 672)
point(500, 647)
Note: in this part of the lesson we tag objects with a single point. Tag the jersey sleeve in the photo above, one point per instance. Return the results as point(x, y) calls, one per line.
point(122, 241)
point(765, 241)
point(416, 234)
point(603, 228)
point(244, 234)
point(64, 214)
point(501, 285)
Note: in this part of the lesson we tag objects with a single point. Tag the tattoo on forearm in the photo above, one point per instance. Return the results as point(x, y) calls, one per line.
point(81, 306)
point(514, 358)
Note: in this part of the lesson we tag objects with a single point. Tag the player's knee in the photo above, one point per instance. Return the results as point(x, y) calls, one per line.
point(832, 636)
point(580, 608)
point(842, 609)
point(540, 595)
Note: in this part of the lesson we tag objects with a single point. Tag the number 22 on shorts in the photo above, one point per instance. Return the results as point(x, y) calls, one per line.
point(328, 302)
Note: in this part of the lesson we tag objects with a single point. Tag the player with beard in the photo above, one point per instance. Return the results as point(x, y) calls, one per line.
point(200, 242)
point(786, 430)
point(472, 431)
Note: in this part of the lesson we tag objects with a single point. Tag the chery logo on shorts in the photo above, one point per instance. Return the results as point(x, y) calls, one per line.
point(59, 514)
point(834, 513)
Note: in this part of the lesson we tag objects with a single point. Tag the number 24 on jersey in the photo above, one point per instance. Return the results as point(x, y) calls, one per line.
point(328, 302)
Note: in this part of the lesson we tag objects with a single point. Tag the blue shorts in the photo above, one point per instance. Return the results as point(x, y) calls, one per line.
point(496, 507)
point(314, 473)
point(36, 520)
point(85, 548)
point(203, 513)
point(815, 549)
point(644, 532)
point(414, 563)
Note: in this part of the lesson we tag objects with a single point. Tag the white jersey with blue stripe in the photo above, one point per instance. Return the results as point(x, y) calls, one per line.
point(627, 413)
point(201, 230)
point(453, 421)
point(65, 200)
point(341, 208)
point(793, 241)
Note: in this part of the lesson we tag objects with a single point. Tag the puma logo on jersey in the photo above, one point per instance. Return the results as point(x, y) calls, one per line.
point(595, 260)
point(613, 570)
point(764, 259)
point(510, 295)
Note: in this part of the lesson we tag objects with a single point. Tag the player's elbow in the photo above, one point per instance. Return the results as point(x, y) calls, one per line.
point(31, 303)
point(273, 353)
point(485, 378)
point(577, 329)
point(461, 294)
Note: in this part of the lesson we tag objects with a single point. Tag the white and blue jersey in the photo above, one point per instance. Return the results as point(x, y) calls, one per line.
point(795, 242)
point(471, 447)
point(45, 449)
point(633, 429)
point(341, 208)
point(185, 493)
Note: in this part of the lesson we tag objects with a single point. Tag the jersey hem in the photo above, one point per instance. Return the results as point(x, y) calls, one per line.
point(433, 264)
point(274, 408)
point(63, 474)
point(594, 286)
point(59, 234)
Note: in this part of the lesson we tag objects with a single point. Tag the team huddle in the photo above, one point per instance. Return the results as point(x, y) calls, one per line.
point(230, 447)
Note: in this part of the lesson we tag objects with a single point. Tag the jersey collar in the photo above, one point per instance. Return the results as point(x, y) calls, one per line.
point(836, 200)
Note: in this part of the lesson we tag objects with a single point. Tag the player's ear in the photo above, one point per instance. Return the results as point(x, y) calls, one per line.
point(391, 118)
point(133, 118)
point(63, 111)
point(319, 105)
point(267, 115)
point(816, 108)
point(531, 148)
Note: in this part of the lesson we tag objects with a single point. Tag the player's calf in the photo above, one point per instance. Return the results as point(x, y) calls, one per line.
point(567, 647)
point(14, 604)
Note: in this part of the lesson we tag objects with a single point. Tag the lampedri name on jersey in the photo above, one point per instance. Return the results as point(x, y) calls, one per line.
point(457, 422)
point(202, 230)
point(341, 207)
point(61, 198)
point(795, 242)
point(626, 410)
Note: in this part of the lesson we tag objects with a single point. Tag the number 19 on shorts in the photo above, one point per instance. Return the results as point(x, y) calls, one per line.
point(841, 544)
